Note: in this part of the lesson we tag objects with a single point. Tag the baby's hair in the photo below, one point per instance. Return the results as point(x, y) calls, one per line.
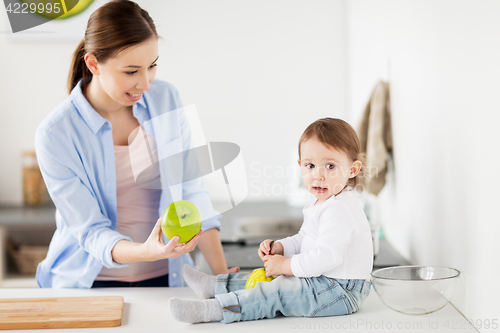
point(337, 134)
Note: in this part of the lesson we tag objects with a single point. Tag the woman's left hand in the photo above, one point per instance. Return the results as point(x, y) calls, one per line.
point(232, 270)
point(277, 265)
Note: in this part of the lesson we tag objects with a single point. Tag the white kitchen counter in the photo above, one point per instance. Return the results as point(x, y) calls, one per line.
point(146, 310)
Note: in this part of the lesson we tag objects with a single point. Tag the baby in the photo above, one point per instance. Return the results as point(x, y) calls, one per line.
point(324, 270)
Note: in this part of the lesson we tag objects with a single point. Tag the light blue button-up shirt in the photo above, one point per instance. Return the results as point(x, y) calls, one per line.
point(74, 147)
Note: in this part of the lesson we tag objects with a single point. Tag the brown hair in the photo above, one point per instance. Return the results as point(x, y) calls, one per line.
point(337, 134)
point(112, 28)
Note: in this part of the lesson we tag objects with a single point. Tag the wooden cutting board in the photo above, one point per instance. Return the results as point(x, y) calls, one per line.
point(61, 312)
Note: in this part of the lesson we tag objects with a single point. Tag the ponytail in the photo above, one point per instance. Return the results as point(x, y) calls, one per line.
point(78, 68)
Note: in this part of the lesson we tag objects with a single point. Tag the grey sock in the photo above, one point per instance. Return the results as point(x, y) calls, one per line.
point(195, 311)
point(202, 284)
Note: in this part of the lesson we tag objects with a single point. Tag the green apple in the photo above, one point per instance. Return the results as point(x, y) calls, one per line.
point(181, 218)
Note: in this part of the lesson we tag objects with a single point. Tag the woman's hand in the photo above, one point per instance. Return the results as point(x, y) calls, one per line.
point(233, 270)
point(277, 265)
point(126, 252)
point(269, 247)
point(155, 249)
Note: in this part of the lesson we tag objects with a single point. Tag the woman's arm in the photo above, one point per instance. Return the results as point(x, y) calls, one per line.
point(72, 192)
point(211, 248)
point(126, 252)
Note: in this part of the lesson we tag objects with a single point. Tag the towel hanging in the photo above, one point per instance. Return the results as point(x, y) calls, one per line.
point(375, 134)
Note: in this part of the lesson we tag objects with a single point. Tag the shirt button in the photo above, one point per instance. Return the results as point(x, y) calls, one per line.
point(174, 275)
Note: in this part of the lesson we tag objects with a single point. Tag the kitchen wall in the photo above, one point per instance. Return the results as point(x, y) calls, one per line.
point(258, 72)
point(32, 82)
point(441, 59)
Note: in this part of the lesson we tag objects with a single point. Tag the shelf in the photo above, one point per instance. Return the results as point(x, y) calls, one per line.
point(17, 216)
point(23, 225)
point(18, 281)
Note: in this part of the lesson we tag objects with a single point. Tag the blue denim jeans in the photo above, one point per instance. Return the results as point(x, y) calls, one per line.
point(289, 295)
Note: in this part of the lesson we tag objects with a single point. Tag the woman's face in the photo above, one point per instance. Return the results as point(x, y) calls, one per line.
point(125, 77)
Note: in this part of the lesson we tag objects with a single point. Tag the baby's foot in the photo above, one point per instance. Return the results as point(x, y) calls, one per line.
point(202, 284)
point(195, 311)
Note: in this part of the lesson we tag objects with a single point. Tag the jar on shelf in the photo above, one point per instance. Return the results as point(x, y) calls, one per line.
point(34, 189)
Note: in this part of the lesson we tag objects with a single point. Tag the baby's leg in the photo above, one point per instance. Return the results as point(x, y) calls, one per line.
point(207, 286)
point(195, 311)
point(226, 283)
point(202, 284)
point(288, 295)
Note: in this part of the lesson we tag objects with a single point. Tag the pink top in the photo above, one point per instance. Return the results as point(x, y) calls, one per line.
point(137, 209)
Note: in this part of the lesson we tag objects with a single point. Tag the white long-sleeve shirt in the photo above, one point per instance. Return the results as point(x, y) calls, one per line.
point(334, 240)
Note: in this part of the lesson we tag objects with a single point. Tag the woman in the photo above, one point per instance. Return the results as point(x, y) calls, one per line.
point(104, 218)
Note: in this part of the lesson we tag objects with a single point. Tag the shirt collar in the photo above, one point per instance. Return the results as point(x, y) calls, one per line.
point(91, 116)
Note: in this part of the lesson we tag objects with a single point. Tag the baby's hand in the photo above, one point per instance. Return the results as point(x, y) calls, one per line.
point(269, 247)
point(277, 265)
point(265, 248)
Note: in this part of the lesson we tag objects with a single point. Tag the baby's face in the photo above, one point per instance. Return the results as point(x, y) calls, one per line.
point(325, 171)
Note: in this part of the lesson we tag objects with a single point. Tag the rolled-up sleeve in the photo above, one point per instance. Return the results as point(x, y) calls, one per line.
point(76, 202)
